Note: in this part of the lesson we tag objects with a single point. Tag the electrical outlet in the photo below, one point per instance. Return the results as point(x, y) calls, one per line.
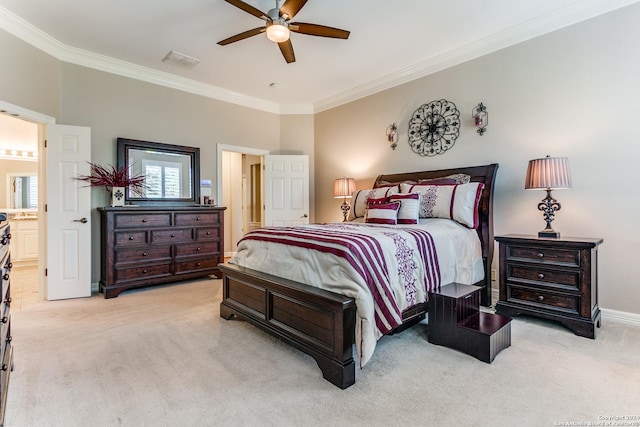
point(493, 274)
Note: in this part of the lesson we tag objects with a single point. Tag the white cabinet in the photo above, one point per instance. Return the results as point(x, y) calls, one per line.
point(24, 240)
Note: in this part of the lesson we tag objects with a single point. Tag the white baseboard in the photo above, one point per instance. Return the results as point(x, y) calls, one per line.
point(620, 317)
point(229, 254)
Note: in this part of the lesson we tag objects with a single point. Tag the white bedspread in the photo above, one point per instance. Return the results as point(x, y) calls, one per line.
point(458, 258)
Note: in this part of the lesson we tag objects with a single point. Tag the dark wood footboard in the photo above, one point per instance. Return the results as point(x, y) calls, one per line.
point(317, 322)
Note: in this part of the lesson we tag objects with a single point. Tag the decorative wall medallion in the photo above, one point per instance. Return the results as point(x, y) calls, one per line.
point(434, 128)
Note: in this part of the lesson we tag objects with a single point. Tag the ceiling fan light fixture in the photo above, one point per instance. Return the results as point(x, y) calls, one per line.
point(278, 31)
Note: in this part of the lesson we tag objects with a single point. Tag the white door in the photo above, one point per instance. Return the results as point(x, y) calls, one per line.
point(286, 190)
point(68, 151)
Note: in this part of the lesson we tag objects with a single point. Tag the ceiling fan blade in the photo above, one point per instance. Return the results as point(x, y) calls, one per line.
point(318, 30)
point(242, 36)
point(291, 8)
point(287, 51)
point(248, 8)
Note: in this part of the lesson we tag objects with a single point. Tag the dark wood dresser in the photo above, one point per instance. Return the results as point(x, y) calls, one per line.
point(555, 279)
point(144, 246)
point(6, 349)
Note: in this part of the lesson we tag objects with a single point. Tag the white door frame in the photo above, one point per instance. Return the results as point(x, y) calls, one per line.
point(42, 120)
point(232, 149)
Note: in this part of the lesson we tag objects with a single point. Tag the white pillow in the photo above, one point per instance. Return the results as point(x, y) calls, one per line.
point(458, 202)
point(383, 213)
point(409, 207)
point(360, 197)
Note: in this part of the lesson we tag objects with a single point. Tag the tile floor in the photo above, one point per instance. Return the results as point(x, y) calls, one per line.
point(24, 287)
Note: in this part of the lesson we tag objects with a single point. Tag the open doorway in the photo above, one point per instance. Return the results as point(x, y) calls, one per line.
point(19, 198)
point(240, 190)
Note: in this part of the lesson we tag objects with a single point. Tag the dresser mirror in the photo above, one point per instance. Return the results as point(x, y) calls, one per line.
point(172, 172)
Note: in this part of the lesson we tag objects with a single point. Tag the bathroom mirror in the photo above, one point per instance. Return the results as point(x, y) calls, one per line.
point(172, 172)
point(23, 191)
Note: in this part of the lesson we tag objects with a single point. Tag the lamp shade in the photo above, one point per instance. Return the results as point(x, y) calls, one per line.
point(344, 187)
point(548, 173)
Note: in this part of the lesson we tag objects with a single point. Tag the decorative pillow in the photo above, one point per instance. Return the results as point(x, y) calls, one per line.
point(383, 213)
point(409, 207)
point(457, 202)
point(360, 197)
point(457, 178)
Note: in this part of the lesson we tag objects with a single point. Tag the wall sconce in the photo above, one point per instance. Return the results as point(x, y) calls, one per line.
point(548, 174)
point(344, 187)
point(392, 135)
point(480, 118)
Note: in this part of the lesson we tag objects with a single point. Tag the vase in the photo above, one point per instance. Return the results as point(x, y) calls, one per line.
point(117, 196)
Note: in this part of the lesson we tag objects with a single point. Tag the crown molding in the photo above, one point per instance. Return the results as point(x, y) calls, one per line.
point(564, 17)
point(25, 31)
point(572, 14)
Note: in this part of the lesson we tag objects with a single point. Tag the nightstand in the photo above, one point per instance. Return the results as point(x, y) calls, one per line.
point(555, 279)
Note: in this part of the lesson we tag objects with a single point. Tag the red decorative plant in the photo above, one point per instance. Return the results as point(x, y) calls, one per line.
point(113, 177)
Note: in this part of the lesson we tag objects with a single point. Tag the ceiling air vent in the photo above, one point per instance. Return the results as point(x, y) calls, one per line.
point(181, 59)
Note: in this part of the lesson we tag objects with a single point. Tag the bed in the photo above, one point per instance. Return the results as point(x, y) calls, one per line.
point(323, 323)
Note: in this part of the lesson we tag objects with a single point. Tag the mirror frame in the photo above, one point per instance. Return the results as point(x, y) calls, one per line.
point(125, 145)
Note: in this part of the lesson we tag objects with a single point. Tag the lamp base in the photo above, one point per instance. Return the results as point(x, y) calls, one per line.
point(345, 210)
point(549, 234)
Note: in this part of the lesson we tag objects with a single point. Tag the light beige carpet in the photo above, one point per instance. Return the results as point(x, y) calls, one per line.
point(163, 357)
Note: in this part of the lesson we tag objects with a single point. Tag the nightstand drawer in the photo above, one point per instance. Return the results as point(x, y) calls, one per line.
point(544, 255)
point(532, 273)
point(569, 304)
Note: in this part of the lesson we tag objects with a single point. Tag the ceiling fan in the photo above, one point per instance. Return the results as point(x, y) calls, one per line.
point(278, 26)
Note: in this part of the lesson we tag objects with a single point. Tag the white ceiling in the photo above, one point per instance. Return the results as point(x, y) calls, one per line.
point(391, 42)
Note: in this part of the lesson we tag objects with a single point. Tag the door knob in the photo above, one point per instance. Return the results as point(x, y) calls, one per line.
point(82, 220)
point(305, 216)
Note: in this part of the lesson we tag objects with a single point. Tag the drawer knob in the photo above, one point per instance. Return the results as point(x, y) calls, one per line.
point(144, 220)
point(9, 265)
point(130, 237)
point(144, 254)
point(5, 366)
point(540, 276)
point(198, 219)
point(145, 271)
point(6, 276)
point(9, 338)
point(198, 249)
point(208, 233)
point(173, 235)
point(198, 264)
point(540, 255)
point(5, 319)
point(540, 298)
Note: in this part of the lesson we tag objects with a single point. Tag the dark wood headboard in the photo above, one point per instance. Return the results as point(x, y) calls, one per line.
point(485, 174)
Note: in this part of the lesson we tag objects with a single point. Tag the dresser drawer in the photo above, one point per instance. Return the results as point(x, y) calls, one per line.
point(197, 219)
point(569, 304)
point(142, 220)
point(6, 297)
point(566, 257)
point(143, 253)
point(141, 273)
point(205, 248)
point(5, 327)
point(172, 235)
point(195, 265)
point(208, 233)
point(129, 238)
point(534, 273)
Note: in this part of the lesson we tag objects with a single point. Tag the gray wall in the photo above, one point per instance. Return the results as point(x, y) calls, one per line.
point(571, 93)
point(114, 106)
